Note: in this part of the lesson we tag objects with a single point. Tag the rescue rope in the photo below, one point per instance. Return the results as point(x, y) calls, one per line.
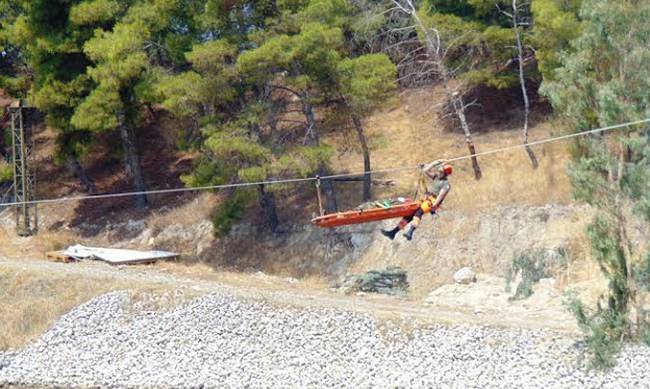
point(308, 179)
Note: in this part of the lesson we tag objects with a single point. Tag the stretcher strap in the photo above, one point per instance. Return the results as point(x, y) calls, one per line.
point(421, 183)
point(320, 202)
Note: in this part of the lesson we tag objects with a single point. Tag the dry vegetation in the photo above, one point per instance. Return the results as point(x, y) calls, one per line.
point(204, 272)
point(410, 133)
point(32, 300)
point(406, 134)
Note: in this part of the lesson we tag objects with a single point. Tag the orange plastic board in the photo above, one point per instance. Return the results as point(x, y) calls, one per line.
point(364, 216)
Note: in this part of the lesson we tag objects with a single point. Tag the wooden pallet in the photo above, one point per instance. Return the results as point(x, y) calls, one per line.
point(59, 256)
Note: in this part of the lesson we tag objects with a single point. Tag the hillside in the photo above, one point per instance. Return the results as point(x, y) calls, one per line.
point(411, 132)
point(395, 136)
point(484, 224)
point(219, 130)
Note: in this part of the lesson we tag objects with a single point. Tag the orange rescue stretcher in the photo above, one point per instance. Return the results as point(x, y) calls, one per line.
point(358, 216)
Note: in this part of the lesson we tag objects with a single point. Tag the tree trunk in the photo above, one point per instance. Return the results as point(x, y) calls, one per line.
point(459, 107)
point(626, 246)
point(311, 135)
point(331, 205)
point(367, 194)
point(522, 82)
point(80, 173)
point(477, 169)
point(267, 203)
point(312, 139)
point(531, 154)
point(131, 159)
point(436, 53)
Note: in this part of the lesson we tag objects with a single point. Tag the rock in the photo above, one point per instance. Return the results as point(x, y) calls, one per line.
point(187, 239)
point(392, 280)
point(548, 282)
point(465, 276)
point(125, 231)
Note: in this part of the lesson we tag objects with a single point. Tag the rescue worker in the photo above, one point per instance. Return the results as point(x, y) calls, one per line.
point(438, 171)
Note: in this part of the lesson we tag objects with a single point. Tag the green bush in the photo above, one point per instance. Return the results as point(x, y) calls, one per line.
point(604, 330)
point(6, 173)
point(230, 212)
point(533, 266)
point(6, 137)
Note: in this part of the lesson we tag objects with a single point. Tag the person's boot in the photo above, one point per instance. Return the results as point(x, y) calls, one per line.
point(409, 234)
point(390, 234)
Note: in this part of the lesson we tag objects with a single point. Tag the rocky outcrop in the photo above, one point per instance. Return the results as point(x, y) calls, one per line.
point(486, 241)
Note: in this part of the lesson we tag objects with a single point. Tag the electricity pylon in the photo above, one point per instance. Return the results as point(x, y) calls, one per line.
point(24, 184)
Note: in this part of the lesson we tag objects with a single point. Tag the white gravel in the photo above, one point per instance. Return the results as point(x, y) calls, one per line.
point(217, 341)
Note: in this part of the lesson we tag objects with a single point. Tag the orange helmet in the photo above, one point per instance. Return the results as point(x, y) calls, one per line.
point(447, 169)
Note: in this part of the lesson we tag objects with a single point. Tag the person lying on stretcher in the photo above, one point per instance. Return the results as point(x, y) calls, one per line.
point(439, 172)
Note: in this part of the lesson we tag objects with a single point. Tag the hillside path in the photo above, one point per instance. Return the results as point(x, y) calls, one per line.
point(382, 307)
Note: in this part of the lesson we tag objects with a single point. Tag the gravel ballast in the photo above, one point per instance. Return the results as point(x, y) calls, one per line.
point(217, 341)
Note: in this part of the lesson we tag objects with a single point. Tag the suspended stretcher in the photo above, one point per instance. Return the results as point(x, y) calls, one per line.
point(372, 211)
point(403, 207)
point(367, 212)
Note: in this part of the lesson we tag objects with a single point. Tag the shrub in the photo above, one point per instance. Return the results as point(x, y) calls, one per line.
point(604, 329)
point(6, 173)
point(533, 266)
point(230, 212)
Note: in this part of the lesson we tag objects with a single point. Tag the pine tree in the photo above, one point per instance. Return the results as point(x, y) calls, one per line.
point(241, 86)
point(148, 35)
point(89, 65)
point(231, 105)
point(556, 23)
point(365, 83)
point(604, 81)
point(46, 40)
point(478, 39)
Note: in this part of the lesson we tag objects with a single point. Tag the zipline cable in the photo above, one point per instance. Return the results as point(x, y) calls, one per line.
point(307, 179)
point(549, 140)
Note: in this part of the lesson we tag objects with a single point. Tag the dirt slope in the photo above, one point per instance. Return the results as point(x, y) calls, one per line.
point(411, 132)
point(483, 224)
point(281, 292)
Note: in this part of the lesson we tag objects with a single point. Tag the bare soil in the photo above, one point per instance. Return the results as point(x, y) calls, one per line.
point(296, 266)
point(275, 290)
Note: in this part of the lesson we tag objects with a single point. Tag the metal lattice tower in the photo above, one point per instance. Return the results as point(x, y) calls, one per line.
point(26, 214)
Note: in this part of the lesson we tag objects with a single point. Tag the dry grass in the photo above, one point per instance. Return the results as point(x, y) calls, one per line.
point(32, 300)
point(53, 233)
point(34, 246)
point(410, 133)
point(187, 214)
point(201, 271)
